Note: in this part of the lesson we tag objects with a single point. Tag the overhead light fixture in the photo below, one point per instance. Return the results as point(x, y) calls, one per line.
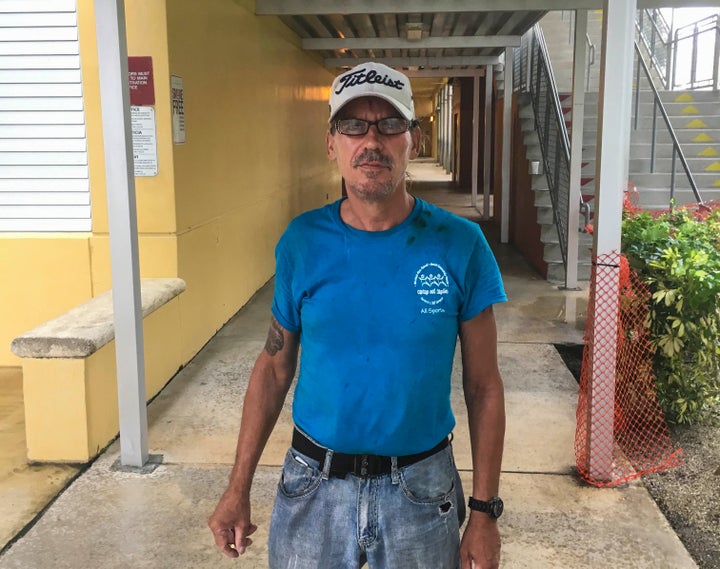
point(414, 31)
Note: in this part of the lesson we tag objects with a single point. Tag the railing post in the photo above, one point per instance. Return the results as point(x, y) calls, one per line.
point(716, 58)
point(654, 137)
point(672, 178)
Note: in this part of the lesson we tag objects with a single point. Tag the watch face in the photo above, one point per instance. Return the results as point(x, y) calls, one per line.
point(496, 507)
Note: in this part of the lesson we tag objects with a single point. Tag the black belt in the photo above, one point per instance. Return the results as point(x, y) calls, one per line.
point(362, 465)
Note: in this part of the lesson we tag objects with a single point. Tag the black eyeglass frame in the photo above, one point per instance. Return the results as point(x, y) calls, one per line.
point(409, 125)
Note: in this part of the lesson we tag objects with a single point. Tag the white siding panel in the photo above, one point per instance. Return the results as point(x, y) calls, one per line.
point(38, 19)
point(42, 145)
point(39, 61)
point(19, 172)
point(35, 185)
point(19, 6)
point(46, 211)
point(41, 104)
point(41, 117)
point(40, 76)
point(44, 183)
point(42, 131)
point(44, 158)
point(40, 198)
point(48, 225)
point(39, 34)
point(57, 90)
point(39, 47)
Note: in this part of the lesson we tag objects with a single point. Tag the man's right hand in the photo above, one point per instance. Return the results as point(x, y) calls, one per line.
point(231, 526)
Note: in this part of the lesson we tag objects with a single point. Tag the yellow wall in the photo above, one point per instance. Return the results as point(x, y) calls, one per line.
point(255, 114)
point(256, 110)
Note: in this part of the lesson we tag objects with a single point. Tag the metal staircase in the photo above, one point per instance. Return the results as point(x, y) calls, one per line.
point(654, 168)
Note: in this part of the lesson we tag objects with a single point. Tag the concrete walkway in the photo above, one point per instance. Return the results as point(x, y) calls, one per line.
point(109, 519)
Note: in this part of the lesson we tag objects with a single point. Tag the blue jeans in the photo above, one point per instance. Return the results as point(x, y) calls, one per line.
point(407, 519)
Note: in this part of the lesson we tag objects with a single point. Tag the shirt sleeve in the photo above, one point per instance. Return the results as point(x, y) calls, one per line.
point(285, 305)
point(483, 282)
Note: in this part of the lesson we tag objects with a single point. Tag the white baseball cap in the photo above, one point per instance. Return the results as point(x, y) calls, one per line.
point(373, 80)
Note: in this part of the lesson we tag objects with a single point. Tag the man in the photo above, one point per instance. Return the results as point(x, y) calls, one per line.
point(376, 288)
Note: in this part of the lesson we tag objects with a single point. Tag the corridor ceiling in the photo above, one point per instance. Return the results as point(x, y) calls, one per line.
point(432, 38)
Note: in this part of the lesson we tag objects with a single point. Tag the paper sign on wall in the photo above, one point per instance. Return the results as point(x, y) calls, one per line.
point(144, 139)
point(178, 109)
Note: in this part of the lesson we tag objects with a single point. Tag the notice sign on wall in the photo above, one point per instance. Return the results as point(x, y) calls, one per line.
point(178, 109)
point(140, 79)
point(144, 141)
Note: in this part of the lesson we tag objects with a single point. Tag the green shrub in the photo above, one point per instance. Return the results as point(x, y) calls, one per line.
point(677, 255)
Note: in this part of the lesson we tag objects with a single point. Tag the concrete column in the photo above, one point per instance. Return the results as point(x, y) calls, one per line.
point(127, 307)
point(576, 138)
point(475, 139)
point(507, 137)
point(611, 179)
point(487, 151)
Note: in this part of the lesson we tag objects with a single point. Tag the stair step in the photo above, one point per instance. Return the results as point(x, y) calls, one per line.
point(683, 135)
point(700, 165)
point(664, 150)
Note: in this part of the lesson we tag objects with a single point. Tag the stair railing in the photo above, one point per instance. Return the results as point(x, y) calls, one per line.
point(550, 127)
point(590, 45)
point(702, 37)
point(658, 105)
point(654, 33)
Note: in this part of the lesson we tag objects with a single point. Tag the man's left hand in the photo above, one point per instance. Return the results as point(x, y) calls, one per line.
point(480, 543)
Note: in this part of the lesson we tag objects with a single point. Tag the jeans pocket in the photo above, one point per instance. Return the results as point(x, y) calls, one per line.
point(299, 476)
point(429, 481)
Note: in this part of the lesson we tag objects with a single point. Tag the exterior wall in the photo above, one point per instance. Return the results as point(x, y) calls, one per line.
point(256, 112)
point(256, 115)
point(524, 228)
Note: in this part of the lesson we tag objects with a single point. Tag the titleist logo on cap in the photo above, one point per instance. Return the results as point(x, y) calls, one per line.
point(362, 76)
point(373, 79)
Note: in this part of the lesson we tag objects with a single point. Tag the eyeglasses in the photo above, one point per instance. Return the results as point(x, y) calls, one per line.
point(359, 127)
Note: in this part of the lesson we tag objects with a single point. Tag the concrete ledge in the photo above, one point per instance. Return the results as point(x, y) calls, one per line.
point(69, 372)
point(83, 330)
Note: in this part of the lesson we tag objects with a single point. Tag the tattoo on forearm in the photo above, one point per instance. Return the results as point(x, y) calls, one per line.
point(275, 340)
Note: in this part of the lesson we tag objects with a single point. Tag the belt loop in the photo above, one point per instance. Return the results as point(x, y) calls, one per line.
point(394, 472)
point(327, 464)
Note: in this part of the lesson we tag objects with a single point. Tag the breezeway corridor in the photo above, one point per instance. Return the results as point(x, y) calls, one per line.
point(110, 519)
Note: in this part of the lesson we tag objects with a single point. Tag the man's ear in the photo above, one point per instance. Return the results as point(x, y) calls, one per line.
point(330, 143)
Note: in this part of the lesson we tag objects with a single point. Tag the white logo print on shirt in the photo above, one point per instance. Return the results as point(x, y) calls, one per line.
point(432, 284)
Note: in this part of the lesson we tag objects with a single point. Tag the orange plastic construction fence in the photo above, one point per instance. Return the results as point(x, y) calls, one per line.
point(621, 430)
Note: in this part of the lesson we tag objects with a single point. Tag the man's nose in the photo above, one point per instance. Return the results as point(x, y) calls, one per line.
point(373, 136)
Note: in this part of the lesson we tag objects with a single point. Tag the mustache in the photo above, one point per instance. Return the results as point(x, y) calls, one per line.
point(372, 156)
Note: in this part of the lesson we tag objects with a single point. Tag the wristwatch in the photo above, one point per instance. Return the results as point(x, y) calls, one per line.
point(493, 507)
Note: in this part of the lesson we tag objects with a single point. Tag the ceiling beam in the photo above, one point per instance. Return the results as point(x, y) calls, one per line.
point(422, 73)
point(460, 61)
point(320, 7)
point(463, 42)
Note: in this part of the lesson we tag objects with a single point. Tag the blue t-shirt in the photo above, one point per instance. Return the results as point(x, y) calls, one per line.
point(378, 315)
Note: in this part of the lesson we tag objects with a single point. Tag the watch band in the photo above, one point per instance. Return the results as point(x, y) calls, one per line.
point(492, 507)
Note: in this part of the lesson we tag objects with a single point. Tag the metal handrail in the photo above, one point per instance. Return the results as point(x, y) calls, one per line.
point(659, 32)
point(551, 129)
point(693, 32)
point(658, 104)
point(591, 60)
